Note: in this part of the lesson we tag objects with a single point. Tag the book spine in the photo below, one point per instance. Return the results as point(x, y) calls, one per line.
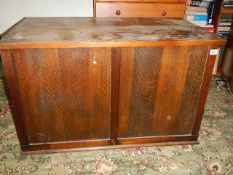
point(197, 17)
point(198, 22)
point(223, 34)
point(224, 24)
point(228, 4)
point(200, 3)
point(210, 11)
point(209, 29)
point(224, 29)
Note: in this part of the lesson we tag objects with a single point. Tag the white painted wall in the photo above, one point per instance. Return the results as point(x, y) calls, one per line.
point(12, 11)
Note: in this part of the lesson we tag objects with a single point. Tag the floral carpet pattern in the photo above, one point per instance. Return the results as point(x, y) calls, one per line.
point(213, 156)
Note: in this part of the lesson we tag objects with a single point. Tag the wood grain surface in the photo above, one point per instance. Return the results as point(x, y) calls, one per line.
point(85, 97)
point(94, 82)
point(164, 1)
point(117, 0)
point(159, 90)
point(65, 93)
point(14, 97)
point(207, 73)
point(103, 32)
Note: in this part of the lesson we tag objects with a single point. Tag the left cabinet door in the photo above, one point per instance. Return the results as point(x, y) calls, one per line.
point(65, 94)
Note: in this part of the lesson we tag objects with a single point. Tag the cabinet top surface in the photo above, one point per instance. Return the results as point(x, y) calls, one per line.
point(109, 32)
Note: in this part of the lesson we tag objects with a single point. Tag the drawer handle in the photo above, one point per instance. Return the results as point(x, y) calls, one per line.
point(118, 12)
point(163, 13)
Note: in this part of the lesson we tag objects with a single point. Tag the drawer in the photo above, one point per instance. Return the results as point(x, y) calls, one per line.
point(164, 1)
point(163, 10)
point(119, 0)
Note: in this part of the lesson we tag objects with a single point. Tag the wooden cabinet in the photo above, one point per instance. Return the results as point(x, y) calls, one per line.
point(84, 82)
point(140, 8)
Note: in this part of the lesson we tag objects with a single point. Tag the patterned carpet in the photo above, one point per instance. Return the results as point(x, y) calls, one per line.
point(213, 156)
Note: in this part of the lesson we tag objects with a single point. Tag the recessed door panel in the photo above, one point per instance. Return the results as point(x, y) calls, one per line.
point(65, 93)
point(159, 90)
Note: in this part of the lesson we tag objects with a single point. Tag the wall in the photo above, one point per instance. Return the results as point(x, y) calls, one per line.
point(12, 11)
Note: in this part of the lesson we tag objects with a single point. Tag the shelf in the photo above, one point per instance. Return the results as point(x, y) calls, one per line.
point(227, 10)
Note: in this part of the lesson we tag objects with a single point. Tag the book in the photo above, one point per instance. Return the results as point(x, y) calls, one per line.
point(228, 4)
point(190, 13)
point(210, 11)
point(225, 24)
point(197, 9)
point(209, 28)
point(204, 25)
point(224, 29)
point(199, 23)
point(226, 18)
point(197, 17)
point(195, 3)
point(223, 34)
point(200, 3)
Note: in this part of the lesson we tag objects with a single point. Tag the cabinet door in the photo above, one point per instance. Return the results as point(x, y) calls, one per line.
point(65, 93)
point(159, 90)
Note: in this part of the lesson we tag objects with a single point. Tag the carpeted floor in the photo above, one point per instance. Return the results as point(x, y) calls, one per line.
point(213, 156)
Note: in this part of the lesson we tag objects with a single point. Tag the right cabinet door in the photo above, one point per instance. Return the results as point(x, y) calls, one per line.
point(159, 90)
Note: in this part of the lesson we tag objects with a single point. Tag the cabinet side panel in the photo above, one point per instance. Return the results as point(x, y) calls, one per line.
point(191, 93)
point(204, 91)
point(14, 97)
point(65, 93)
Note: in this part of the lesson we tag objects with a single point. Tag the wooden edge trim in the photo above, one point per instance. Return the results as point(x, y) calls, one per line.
point(115, 80)
point(14, 96)
point(29, 152)
point(94, 8)
point(108, 144)
point(46, 147)
point(157, 139)
point(110, 44)
point(231, 85)
point(204, 91)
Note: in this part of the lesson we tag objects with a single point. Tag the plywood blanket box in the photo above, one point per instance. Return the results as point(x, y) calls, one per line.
point(85, 83)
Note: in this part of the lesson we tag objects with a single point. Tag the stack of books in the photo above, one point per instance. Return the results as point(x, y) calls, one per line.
point(225, 21)
point(224, 26)
point(200, 3)
point(228, 3)
point(197, 13)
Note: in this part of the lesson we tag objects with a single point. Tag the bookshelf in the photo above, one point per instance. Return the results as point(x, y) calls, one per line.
point(227, 10)
point(225, 66)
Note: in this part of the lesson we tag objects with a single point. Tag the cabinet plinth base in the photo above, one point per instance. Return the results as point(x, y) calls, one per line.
point(122, 143)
